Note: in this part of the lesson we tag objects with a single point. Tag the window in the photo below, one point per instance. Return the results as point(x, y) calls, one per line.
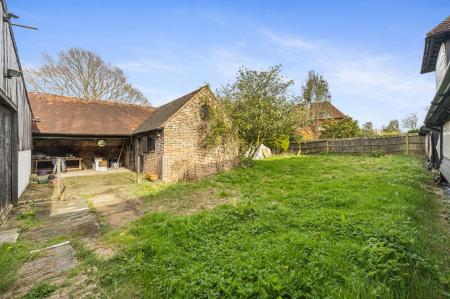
point(204, 112)
point(148, 144)
point(151, 144)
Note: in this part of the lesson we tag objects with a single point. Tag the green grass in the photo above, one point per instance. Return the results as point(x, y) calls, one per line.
point(11, 257)
point(304, 227)
point(294, 227)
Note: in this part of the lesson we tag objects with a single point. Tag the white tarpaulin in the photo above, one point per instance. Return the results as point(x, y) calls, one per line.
point(261, 152)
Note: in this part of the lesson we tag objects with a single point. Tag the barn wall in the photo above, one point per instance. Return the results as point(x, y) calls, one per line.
point(185, 157)
point(13, 96)
point(24, 170)
point(153, 160)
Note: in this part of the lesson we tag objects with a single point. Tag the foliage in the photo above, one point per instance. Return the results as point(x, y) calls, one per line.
point(11, 257)
point(217, 128)
point(261, 105)
point(413, 131)
point(42, 290)
point(315, 227)
point(315, 89)
point(410, 122)
point(392, 128)
point(340, 128)
point(280, 144)
point(84, 74)
point(367, 129)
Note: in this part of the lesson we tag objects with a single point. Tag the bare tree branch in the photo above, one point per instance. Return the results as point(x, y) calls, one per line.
point(84, 74)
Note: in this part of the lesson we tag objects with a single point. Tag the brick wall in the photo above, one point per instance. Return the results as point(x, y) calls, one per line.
point(153, 160)
point(184, 156)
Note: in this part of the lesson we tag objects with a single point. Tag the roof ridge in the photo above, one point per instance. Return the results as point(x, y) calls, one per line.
point(165, 112)
point(106, 102)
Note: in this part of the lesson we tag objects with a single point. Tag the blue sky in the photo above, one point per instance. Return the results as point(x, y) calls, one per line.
point(369, 51)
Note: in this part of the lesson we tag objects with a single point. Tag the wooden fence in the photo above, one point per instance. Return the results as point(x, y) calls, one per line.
point(411, 144)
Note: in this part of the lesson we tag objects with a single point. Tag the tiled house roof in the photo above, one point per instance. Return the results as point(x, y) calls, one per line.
point(325, 110)
point(165, 112)
point(62, 115)
point(433, 40)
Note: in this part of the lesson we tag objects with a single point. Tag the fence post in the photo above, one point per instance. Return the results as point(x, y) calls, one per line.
point(327, 146)
point(407, 144)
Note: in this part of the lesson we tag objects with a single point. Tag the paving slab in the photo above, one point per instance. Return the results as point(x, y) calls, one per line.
point(70, 206)
point(49, 264)
point(9, 236)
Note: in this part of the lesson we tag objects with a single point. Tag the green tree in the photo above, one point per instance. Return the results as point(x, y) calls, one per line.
point(392, 127)
point(315, 89)
point(367, 129)
point(342, 128)
point(261, 105)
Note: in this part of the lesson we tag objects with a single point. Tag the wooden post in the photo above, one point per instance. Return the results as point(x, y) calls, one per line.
point(327, 148)
point(407, 144)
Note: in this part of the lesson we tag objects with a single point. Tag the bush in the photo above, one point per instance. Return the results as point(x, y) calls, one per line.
point(280, 144)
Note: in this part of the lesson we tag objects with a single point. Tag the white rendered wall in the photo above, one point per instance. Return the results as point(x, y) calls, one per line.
point(24, 170)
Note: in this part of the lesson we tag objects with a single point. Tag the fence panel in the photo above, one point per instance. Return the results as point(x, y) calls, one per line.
point(413, 144)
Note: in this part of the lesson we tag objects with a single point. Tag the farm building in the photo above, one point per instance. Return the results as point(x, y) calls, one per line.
point(436, 59)
point(165, 141)
point(15, 120)
point(320, 112)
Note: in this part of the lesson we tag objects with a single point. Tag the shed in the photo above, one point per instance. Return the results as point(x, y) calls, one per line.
point(15, 120)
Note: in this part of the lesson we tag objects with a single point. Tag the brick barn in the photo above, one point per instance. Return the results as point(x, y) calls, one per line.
point(166, 141)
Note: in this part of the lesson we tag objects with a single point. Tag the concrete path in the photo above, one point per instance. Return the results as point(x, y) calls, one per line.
point(9, 236)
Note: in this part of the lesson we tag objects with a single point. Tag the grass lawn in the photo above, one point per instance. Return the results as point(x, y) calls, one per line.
point(294, 227)
point(322, 226)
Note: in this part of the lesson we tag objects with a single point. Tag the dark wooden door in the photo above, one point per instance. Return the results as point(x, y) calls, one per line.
point(5, 158)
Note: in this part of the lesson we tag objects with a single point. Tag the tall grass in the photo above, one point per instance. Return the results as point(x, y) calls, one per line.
point(302, 227)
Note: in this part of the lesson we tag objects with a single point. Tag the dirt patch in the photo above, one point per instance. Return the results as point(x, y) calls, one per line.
point(116, 211)
point(82, 223)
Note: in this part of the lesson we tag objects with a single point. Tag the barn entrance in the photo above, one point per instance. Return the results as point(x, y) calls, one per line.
point(80, 153)
point(5, 158)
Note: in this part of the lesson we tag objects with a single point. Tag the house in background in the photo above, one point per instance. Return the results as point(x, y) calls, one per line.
point(166, 141)
point(320, 112)
point(15, 120)
point(436, 58)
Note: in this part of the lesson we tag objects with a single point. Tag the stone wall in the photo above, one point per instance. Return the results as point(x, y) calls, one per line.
point(185, 157)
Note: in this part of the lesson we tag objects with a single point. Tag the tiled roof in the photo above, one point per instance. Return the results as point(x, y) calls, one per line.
point(163, 113)
point(441, 28)
point(433, 41)
point(62, 115)
point(326, 110)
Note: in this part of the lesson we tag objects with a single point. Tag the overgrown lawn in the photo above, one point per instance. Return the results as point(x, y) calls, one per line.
point(294, 227)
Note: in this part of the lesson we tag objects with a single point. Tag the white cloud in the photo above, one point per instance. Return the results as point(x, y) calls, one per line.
point(287, 42)
point(367, 85)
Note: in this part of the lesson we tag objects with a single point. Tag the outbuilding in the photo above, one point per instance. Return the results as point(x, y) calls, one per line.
point(15, 120)
point(166, 141)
